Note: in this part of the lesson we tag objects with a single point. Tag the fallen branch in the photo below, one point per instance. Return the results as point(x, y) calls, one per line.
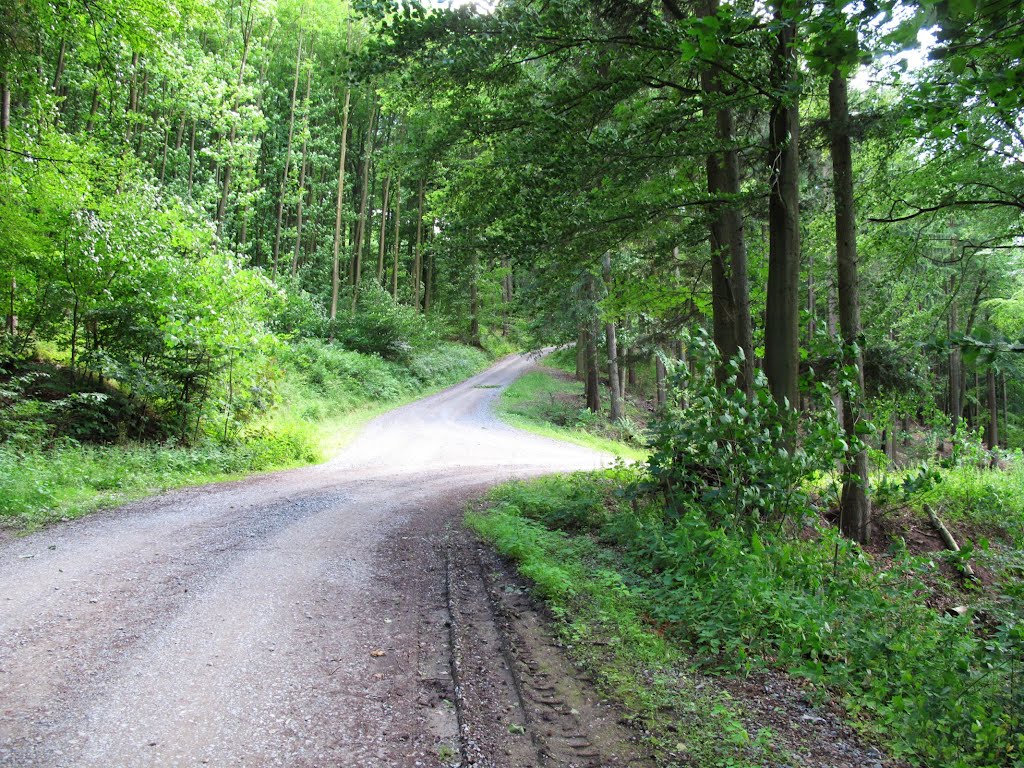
point(950, 542)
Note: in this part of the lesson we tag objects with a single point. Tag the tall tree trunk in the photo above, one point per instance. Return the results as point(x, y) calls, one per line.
point(581, 354)
point(730, 292)
point(955, 409)
point(5, 108)
point(385, 197)
point(302, 177)
point(782, 313)
point(592, 389)
point(660, 377)
point(611, 341)
point(1006, 411)
point(133, 98)
point(992, 434)
point(93, 108)
point(417, 268)
point(398, 237)
point(222, 207)
point(288, 156)
point(191, 156)
point(855, 509)
point(336, 259)
point(474, 299)
point(364, 192)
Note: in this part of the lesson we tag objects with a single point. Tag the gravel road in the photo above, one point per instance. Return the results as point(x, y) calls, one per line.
point(330, 616)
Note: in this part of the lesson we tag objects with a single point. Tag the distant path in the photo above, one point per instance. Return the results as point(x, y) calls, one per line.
point(313, 617)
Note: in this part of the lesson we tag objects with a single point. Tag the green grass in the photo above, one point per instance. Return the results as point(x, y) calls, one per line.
point(538, 402)
point(604, 623)
point(325, 394)
point(683, 591)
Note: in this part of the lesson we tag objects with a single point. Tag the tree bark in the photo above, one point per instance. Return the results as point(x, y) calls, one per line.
point(474, 300)
point(417, 267)
point(955, 409)
point(385, 198)
point(302, 178)
point(336, 259)
point(611, 341)
point(730, 293)
point(364, 192)
point(5, 108)
point(855, 507)
point(288, 155)
point(398, 237)
point(992, 436)
point(660, 376)
point(782, 314)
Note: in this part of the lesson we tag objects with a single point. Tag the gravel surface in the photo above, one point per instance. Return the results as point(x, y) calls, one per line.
point(316, 617)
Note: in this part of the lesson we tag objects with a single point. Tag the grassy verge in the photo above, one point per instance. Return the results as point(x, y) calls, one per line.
point(547, 528)
point(324, 395)
point(547, 402)
point(640, 594)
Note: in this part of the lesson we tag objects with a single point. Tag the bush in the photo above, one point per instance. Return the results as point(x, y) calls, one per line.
point(381, 326)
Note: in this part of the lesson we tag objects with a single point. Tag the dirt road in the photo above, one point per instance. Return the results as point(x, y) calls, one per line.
point(329, 616)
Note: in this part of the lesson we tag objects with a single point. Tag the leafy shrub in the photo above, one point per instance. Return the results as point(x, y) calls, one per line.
point(381, 326)
point(738, 459)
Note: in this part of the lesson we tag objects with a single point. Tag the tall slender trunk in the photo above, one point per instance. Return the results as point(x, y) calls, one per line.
point(611, 341)
point(191, 156)
point(1006, 410)
point(398, 237)
point(384, 200)
point(288, 156)
point(782, 313)
point(474, 299)
point(336, 260)
point(5, 108)
point(133, 97)
point(302, 178)
point(660, 378)
point(855, 509)
point(992, 435)
point(222, 207)
point(592, 389)
point(952, 327)
point(417, 264)
point(364, 193)
point(428, 278)
point(58, 73)
point(730, 292)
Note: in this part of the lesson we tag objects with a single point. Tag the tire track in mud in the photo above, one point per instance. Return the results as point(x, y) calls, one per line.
point(520, 702)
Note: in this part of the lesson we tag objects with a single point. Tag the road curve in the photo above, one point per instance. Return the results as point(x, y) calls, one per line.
point(293, 619)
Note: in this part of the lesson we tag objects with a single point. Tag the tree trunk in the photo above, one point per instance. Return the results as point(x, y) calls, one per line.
point(417, 264)
point(660, 376)
point(191, 156)
point(364, 192)
point(614, 386)
point(855, 507)
point(592, 388)
point(992, 435)
point(782, 314)
point(581, 354)
point(302, 177)
point(288, 155)
point(336, 259)
point(474, 300)
point(385, 197)
point(398, 237)
point(955, 409)
point(5, 108)
point(730, 292)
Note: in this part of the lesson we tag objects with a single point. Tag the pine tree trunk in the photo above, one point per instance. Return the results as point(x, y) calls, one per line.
point(5, 108)
point(855, 507)
point(660, 378)
point(955, 409)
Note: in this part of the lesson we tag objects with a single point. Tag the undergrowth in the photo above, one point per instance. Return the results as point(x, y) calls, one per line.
point(318, 396)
